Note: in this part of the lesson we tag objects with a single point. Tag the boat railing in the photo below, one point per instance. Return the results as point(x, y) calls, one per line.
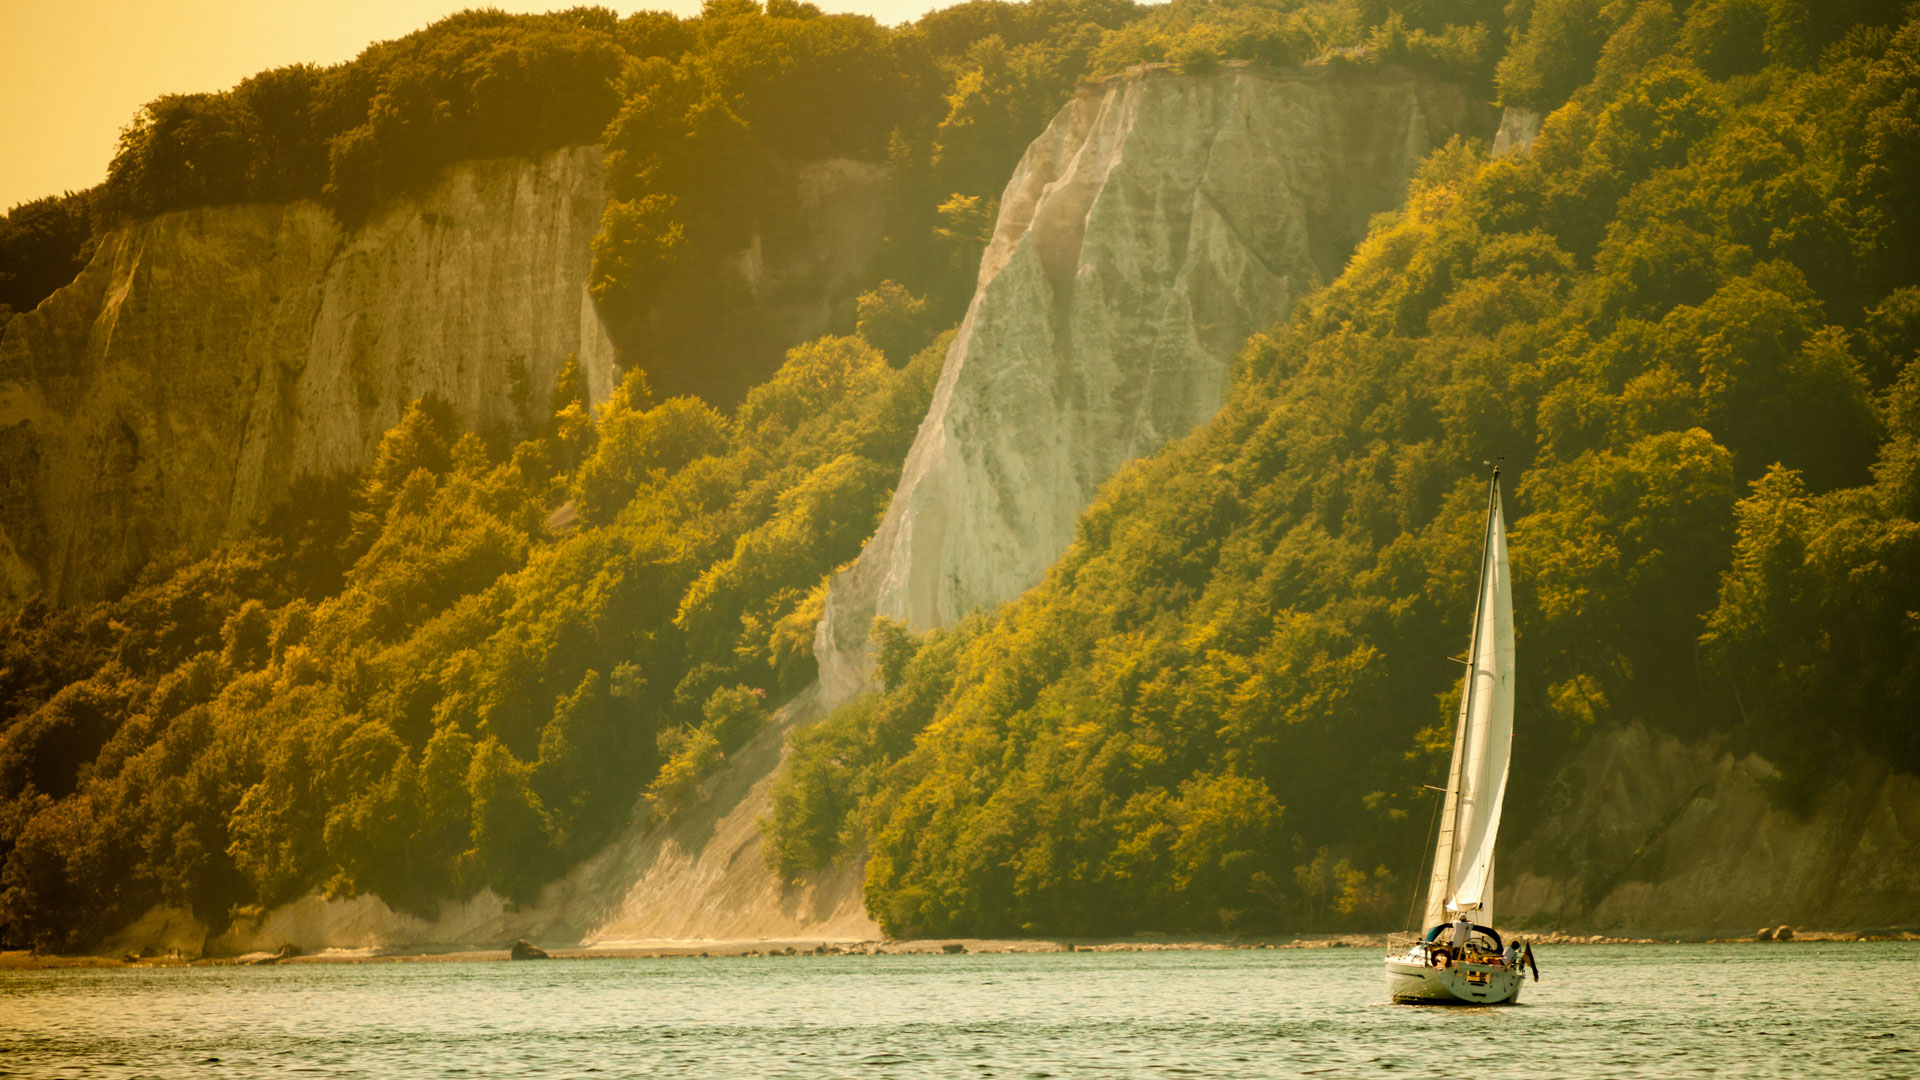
point(1399, 944)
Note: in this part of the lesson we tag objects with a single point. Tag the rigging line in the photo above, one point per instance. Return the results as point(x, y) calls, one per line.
point(1431, 821)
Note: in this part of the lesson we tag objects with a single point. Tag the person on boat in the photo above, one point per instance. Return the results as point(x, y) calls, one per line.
point(1511, 956)
point(1462, 932)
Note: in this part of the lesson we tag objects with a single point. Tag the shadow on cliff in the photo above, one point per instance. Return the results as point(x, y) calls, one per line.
point(1649, 834)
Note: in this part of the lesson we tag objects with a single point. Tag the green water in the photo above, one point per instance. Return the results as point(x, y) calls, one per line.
point(1802, 1011)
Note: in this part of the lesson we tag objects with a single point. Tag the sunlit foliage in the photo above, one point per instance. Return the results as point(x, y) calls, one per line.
point(1678, 321)
point(1686, 319)
point(459, 670)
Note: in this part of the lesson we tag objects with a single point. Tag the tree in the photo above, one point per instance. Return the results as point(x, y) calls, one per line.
point(510, 848)
point(895, 321)
point(1726, 37)
point(43, 245)
point(1554, 55)
point(1224, 851)
point(248, 636)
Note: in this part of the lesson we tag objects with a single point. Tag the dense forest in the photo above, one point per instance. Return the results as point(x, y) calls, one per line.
point(465, 667)
point(456, 671)
point(1684, 318)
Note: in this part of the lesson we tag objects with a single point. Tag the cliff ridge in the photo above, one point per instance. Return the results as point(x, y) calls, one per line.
point(205, 358)
point(1158, 222)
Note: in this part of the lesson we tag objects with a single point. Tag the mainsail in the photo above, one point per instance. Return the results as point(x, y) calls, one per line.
point(1482, 745)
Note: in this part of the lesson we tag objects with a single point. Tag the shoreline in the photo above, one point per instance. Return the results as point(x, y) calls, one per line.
point(25, 960)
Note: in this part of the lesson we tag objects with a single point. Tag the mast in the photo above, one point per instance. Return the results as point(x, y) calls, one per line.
point(1445, 853)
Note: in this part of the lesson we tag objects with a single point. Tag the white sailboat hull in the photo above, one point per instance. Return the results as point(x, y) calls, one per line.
point(1412, 982)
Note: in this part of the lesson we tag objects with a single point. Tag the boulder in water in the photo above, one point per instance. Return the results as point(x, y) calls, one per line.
point(526, 950)
point(1765, 933)
point(1785, 933)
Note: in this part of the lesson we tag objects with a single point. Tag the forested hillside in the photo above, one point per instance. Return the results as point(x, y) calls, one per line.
point(456, 671)
point(463, 667)
point(1685, 319)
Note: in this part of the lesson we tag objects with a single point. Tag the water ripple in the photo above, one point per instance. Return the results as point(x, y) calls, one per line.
point(1630, 1011)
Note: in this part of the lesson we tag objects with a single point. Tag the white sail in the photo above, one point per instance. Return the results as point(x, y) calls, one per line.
point(1477, 784)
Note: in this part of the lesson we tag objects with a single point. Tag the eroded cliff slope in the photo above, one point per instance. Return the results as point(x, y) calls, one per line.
point(1644, 833)
point(1156, 223)
point(205, 358)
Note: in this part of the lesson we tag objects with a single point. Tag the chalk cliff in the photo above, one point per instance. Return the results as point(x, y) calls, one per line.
point(206, 357)
point(1159, 221)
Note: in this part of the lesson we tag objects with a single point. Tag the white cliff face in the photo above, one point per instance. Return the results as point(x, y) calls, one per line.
point(1518, 128)
point(205, 358)
point(1157, 223)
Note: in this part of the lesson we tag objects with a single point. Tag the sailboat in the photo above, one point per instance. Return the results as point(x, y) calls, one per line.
point(1461, 960)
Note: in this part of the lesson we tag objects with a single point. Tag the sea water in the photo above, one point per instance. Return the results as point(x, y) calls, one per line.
point(1789, 1010)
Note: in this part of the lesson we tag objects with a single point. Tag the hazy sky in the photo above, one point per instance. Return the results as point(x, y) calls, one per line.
point(72, 72)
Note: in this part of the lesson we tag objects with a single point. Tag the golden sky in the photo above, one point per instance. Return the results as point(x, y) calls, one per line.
point(72, 72)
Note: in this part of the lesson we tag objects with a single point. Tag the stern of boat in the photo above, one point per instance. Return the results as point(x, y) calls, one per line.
point(1412, 980)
